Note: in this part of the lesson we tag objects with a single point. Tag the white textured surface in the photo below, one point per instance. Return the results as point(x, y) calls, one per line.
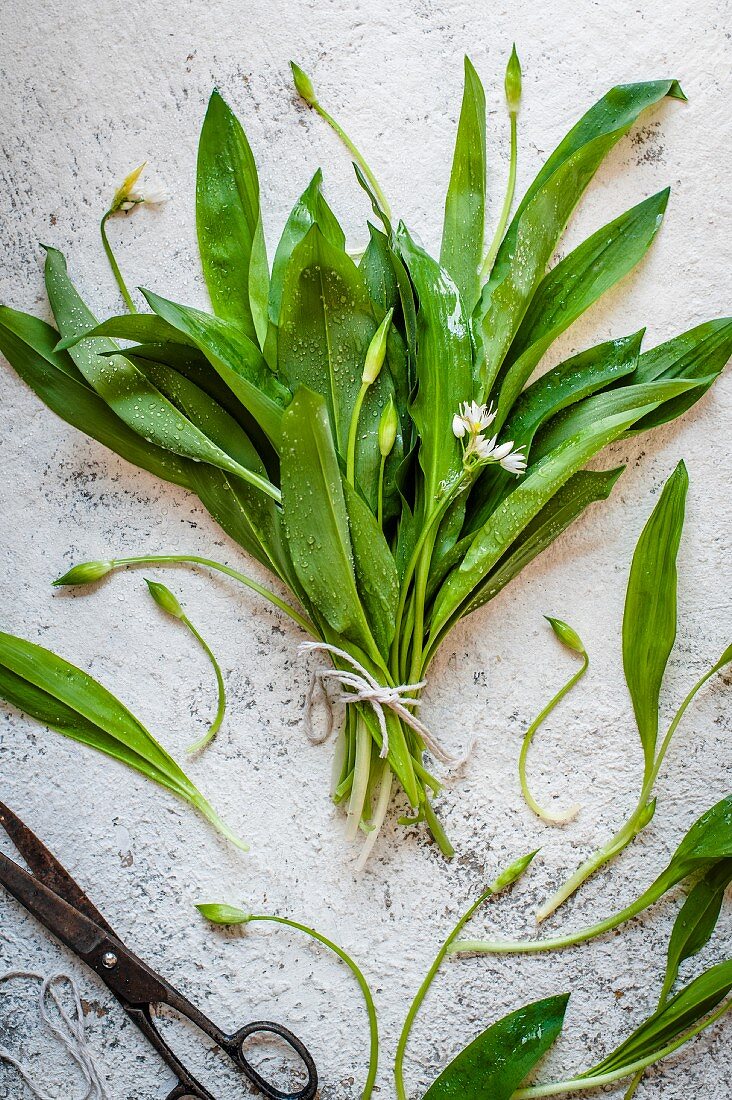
point(93, 88)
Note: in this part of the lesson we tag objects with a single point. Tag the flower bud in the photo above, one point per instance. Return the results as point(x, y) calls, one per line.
point(377, 351)
point(304, 84)
point(566, 634)
point(513, 872)
point(85, 573)
point(220, 913)
point(164, 598)
point(513, 82)
point(388, 425)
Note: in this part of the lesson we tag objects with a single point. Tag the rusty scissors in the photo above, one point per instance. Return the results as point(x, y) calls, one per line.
point(50, 894)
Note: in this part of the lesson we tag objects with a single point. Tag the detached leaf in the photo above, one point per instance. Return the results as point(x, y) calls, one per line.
point(649, 620)
point(462, 235)
point(697, 920)
point(227, 213)
point(494, 1065)
point(67, 699)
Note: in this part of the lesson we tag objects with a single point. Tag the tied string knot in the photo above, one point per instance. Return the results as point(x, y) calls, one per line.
point(359, 686)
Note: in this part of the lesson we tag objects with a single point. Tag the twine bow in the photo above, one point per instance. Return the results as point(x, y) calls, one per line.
point(359, 686)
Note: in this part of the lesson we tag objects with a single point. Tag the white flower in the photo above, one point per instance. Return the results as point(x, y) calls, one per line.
point(514, 462)
point(129, 194)
point(472, 419)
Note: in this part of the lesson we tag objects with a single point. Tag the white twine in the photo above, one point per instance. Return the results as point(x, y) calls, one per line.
point(72, 1033)
point(361, 687)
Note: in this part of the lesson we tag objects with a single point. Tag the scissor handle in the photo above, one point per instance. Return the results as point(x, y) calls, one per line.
point(234, 1047)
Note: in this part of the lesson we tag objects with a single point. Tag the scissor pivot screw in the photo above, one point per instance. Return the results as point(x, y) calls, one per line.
point(109, 959)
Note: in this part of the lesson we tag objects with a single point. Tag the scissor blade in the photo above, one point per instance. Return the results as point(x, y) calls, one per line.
point(47, 868)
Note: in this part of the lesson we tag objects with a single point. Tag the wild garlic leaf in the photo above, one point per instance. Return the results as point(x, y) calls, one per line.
point(675, 1017)
point(571, 287)
point(376, 573)
point(316, 518)
point(563, 386)
point(378, 272)
point(543, 213)
point(462, 235)
point(701, 353)
point(67, 699)
point(649, 620)
point(29, 344)
point(524, 503)
point(227, 213)
point(310, 209)
point(145, 327)
point(696, 920)
point(444, 373)
point(494, 1065)
point(326, 326)
point(235, 358)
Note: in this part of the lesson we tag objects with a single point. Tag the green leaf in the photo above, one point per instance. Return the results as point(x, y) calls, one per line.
point(525, 502)
point(145, 327)
point(544, 212)
point(696, 921)
point(310, 209)
point(690, 1004)
point(462, 235)
point(67, 699)
point(376, 573)
point(572, 286)
point(378, 272)
point(649, 620)
point(126, 389)
point(227, 214)
point(316, 518)
point(700, 353)
point(494, 1065)
point(28, 344)
point(444, 366)
point(237, 361)
point(326, 326)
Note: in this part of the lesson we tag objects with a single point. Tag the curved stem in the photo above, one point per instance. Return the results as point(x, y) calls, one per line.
point(352, 432)
point(580, 1084)
point(213, 729)
point(363, 984)
point(487, 264)
point(357, 156)
point(677, 718)
point(422, 993)
point(114, 265)
point(194, 559)
point(571, 813)
point(380, 495)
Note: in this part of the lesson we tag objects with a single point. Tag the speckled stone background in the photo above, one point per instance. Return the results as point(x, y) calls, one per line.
point(90, 90)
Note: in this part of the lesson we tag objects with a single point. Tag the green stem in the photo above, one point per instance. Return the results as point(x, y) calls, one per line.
point(568, 815)
point(193, 559)
point(357, 156)
point(571, 939)
point(213, 729)
point(363, 984)
point(376, 822)
point(580, 1084)
point(352, 432)
point(435, 827)
point(487, 265)
point(420, 594)
point(114, 265)
point(422, 993)
point(635, 823)
point(380, 494)
point(361, 772)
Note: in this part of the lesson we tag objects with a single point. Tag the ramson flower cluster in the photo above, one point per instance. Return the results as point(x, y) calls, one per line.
point(468, 426)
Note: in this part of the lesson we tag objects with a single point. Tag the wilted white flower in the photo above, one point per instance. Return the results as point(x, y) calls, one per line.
point(129, 194)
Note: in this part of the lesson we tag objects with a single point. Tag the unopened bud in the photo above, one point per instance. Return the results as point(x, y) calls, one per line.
point(513, 82)
point(86, 573)
point(164, 598)
point(304, 84)
point(513, 872)
point(388, 425)
point(377, 351)
point(566, 634)
point(219, 913)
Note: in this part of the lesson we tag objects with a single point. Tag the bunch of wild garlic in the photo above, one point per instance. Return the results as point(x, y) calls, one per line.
point(369, 432)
